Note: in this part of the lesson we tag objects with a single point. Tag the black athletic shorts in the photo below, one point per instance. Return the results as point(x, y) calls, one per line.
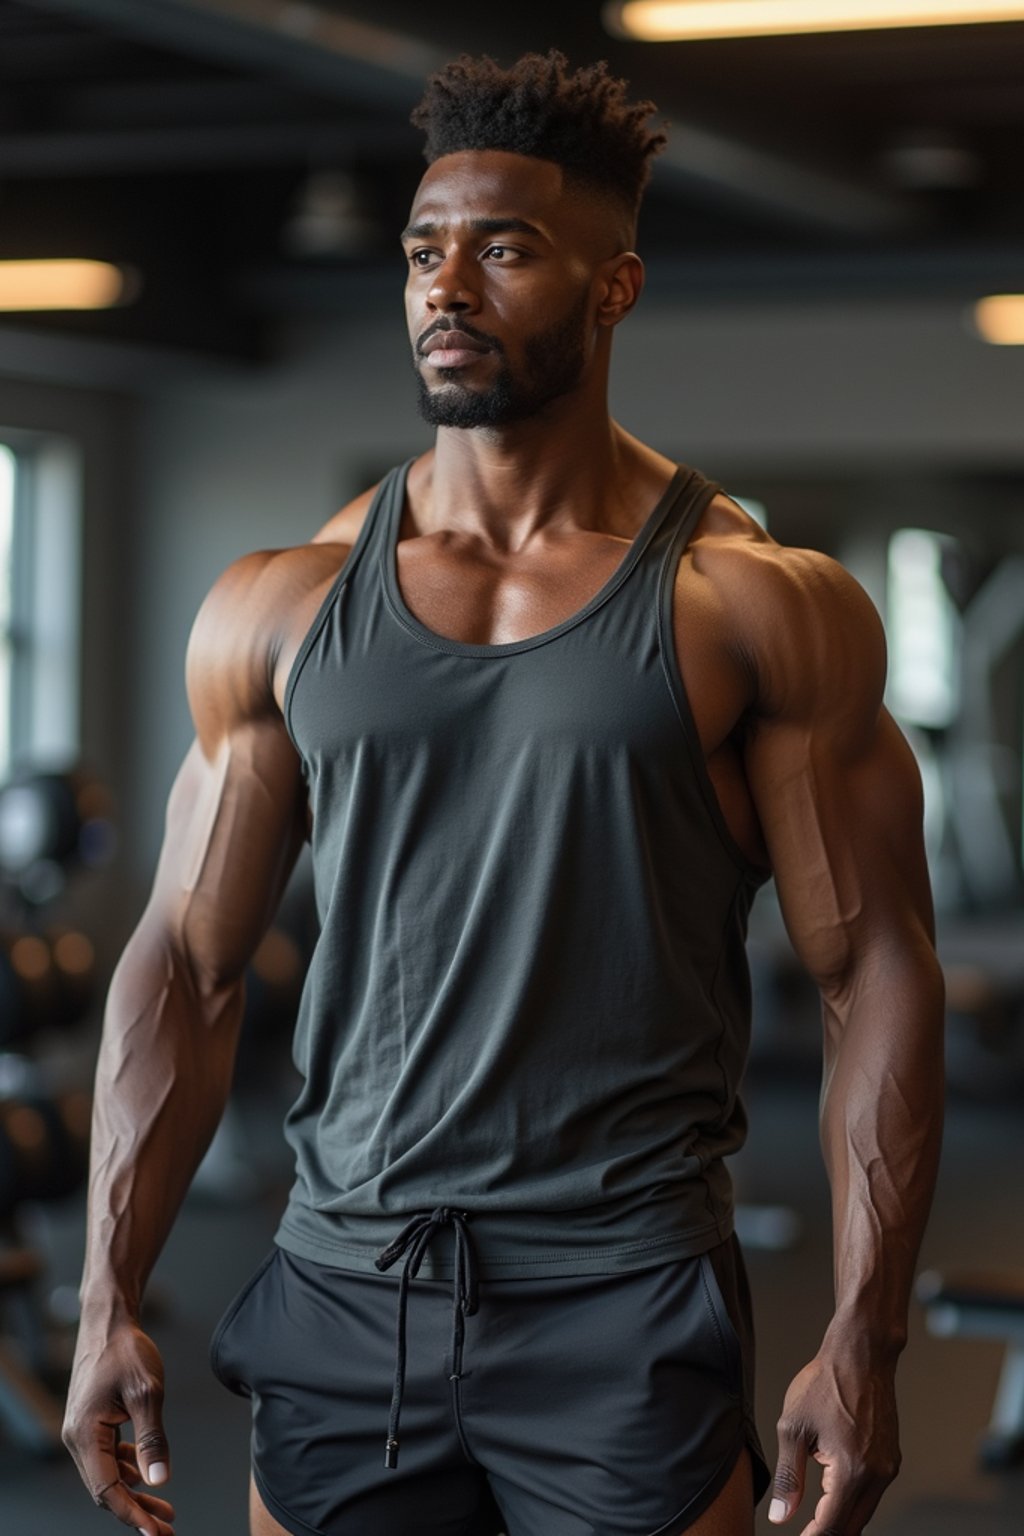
point(587, 1405)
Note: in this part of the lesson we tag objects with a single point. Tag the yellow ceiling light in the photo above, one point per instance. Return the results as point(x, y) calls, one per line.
point(663, 21)
point(61, 284)
point(1000, 319)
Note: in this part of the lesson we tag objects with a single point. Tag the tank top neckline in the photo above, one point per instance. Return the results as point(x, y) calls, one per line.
point(393, 509)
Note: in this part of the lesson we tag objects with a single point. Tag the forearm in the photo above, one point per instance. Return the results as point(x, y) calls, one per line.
point(162, 1081)
point(881, 1127)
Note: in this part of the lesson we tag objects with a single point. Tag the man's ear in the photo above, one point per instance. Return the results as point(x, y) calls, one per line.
point(621, 284)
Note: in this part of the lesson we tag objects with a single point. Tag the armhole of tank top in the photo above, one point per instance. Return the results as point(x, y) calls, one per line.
point(331, 597)
point(677, 687)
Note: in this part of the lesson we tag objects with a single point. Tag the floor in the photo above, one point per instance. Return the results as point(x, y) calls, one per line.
point(946, 1386)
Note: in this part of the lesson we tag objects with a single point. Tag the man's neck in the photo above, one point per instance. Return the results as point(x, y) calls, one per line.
point(506, 484)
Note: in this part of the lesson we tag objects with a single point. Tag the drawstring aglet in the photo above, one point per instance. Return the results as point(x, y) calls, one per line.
point(391, 1454)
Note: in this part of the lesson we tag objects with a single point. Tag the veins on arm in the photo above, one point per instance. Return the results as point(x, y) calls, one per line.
point(839, 798)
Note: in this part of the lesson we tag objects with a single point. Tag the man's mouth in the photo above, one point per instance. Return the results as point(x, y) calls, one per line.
point(452, 349)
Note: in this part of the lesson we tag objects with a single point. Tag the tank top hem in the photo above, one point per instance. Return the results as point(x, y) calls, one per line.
point(590, 1259)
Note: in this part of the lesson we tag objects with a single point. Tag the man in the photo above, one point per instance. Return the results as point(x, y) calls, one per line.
point(549, 708)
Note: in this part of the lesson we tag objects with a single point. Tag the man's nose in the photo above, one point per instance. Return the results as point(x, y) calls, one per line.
point(452, 290)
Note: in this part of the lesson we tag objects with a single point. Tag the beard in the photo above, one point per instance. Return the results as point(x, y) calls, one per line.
point(553, 363)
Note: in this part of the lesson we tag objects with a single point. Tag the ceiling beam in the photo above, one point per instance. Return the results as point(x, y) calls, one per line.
point(131, 103)
point(357, 63)
point(112, 152)
point(345, 59)
point(787, 191)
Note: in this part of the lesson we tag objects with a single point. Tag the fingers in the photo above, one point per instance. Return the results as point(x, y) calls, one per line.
point(790, 1470)
point(850, 1493)
point(128, 1464)
point(847, 1501)
point(110, 1469)
point(143, 1512)
point(844, 1509)
point(119, 1377)
point(144, 1400)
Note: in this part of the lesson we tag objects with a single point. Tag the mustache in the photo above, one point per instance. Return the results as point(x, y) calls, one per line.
point(464, 329)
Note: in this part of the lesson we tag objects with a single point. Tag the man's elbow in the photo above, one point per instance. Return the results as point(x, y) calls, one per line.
point(900, 965)
point(185, 964)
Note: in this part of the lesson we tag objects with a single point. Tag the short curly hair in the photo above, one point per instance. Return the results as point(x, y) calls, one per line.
point(579, 119)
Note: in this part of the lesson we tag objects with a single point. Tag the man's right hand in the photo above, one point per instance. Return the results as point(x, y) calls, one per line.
point(119, 1376)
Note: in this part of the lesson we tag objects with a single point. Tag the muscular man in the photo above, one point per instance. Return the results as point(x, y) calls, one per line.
point(549, 708)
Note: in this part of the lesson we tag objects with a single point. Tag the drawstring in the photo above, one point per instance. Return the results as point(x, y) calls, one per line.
point(414, 1239)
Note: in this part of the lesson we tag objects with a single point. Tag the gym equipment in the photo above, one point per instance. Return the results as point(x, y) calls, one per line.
point(49, 824)
point(44, 1146)
point(53, 821)
point(973, 1305)
point(29, 1411)
point(983, 960)
point(47, 981)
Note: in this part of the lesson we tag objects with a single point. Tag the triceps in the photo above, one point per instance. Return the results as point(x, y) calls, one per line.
point(235, 825)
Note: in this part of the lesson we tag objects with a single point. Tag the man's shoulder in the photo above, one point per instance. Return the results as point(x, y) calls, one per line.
point(344, 527)
point(255, 616)
point(268, 588)
point(800, 620)
point(249, 621)
point(259, 590)
point(729, 545)
point(755, 574)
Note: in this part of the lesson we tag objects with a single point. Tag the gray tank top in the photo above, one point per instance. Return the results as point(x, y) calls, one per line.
point(530, 1000)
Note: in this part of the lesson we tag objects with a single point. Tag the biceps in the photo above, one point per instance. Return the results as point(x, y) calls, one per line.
point(844, 835)
point(234, 828)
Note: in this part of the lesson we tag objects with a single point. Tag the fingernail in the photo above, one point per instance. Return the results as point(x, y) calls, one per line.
point(777, 1511)
point(157, 1473)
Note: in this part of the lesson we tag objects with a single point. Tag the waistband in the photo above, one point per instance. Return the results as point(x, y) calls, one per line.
point(524, 1244)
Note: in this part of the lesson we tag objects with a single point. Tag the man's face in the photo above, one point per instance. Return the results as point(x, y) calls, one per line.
point(498, 294)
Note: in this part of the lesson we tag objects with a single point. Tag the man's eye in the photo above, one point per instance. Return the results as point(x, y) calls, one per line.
point(420, 258)
point(499, 251)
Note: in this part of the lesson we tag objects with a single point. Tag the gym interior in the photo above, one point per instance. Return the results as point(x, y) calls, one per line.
point(830, 329)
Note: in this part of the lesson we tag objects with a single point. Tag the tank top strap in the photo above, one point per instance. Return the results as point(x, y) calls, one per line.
point(655, 551)
point(663, 536)
point(385, 510)
point(670, 524)
point(687, 502)
point(369, 541)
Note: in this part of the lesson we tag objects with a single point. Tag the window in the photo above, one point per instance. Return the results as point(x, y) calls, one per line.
point(40, 576)
point(923, 629)
point(7, 632)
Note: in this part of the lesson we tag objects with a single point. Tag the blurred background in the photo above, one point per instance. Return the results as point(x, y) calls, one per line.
point(831, 329)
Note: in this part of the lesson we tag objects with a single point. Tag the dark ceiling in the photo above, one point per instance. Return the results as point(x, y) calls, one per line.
point(252, 159)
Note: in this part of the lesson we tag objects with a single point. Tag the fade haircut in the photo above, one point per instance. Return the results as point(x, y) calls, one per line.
point(579, 119)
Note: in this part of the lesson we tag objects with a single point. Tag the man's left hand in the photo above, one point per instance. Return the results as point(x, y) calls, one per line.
point(844, 1416)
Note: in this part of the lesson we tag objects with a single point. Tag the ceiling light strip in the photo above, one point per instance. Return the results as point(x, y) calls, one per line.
point(693, 20)
point(999, 319)
point(62, 283)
